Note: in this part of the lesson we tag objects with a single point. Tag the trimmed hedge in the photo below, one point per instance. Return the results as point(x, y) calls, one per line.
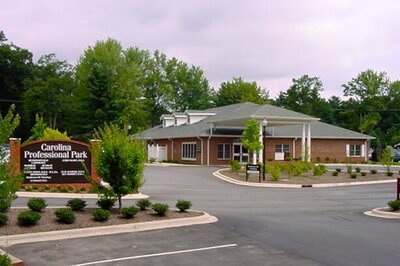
point(183, 205)
point(28, 218)
point(76, 204)
point(129, 212)
point(106, 203)
point(37, 204)
point(143, 204)
point(65, 215)
point(3, 219)
point(160, 208)
point(101, 215)
point(394, 205)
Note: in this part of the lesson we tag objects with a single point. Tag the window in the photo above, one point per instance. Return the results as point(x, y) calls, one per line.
point(189, 151)
point(224, 151)
point(355, 150)
point(282, 148)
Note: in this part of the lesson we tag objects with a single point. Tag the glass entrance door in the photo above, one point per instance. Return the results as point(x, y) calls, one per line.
point(240, 153)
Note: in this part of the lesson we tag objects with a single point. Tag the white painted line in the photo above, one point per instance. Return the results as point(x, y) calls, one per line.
point(156, 254)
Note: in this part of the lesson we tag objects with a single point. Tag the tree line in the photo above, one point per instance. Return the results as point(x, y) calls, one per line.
point(133, 87)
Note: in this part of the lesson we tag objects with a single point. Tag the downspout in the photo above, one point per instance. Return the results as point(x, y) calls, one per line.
point(201, 151)
point(172, 148)
point(208, 144)
point(294, 147)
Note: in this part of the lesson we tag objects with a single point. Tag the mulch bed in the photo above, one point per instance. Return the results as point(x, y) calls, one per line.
point(84, 219)
point(308, 178)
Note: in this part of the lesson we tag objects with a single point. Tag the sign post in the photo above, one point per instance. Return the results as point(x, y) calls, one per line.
point(253, 169)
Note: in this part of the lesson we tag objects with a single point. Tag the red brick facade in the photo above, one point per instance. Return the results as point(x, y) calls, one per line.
point(324, 150)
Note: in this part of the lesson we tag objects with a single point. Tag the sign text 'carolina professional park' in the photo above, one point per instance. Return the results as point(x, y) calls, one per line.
point(55, 162)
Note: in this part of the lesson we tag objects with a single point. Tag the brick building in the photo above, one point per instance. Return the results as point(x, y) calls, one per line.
point(212, 136)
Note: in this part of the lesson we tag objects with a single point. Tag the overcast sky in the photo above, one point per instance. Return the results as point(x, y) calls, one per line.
point(270, 42)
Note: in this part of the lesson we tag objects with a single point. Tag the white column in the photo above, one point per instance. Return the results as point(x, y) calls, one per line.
point(260, 153)
point(309, 142)
point(303, 142)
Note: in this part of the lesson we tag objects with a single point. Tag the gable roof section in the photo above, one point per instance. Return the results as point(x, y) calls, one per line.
point(243, 111)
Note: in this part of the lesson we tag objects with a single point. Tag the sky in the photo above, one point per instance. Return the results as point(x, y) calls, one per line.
point(270, 42)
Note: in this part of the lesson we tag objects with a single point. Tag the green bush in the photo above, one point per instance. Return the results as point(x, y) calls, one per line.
point(394, 205)
point(339, 170)
point(297, 168)
point(353, 175)
point(143, 204)
point(101, 215)
point(3, 218)
point(28, 218)
point(349, 169)
point(327, 159)
point(106, 203)
point(358, 169)
point(183, 205)
point(235, 166)
point(65, 215)
point(363, 173)
point(37, 204)
point(5, 260)
point(160, 208)
point(389, 173)
point(76, 204)
point(64, 190)
point(129, 212)
point(374, 171)
point(336, 173)
point(319, 169)
point(4, 205)
point(275, 172)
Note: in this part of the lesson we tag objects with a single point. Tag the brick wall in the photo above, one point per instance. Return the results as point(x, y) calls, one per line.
point(334, 149)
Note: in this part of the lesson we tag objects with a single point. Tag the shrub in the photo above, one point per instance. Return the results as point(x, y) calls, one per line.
point(358, 169)
point(235, 166)
point(65, 215)
point(327, 159)
point(389, 173)
point(70, 188)
point(101, 215)
point(64, 190)
point(82, 189)
point(3, 218)
point(28, 218)
point(76, 204)
point(335, 173)
point(349, 169)
point(47, 188)
point(334, 160)
point(183, 205)
point(374, 171)
point(5, 260)
point(297, 168)
point(4, 206)
point(353, 175)
point(339, 170)
point(318, 159)
point(129, 212)
point(106, 203)
point(35, 187)
point(28, 188)
point(160, 208)
point(319, 169)
point(275, 172)
point(363, 173)
point(37, 204)
point(53, 189)
point(394, 205)
point(143, 204)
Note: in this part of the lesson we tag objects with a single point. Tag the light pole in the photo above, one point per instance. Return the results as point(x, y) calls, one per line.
point(264, 133)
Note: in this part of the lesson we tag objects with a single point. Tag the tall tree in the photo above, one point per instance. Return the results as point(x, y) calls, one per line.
point(49, 91)
point(304, 96)
point(238, 91)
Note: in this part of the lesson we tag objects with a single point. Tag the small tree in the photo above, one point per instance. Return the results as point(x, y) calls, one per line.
point(386, 158)
point(251, 138)
point(41, 131)
point(9, 183)
point(119, 160)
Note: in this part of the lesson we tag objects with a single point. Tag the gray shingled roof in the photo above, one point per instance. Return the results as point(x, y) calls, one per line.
point(248, 111)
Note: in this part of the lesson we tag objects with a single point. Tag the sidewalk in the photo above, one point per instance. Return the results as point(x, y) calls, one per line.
point(26, 194)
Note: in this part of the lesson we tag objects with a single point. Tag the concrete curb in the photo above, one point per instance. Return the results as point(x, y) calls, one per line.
point(170, 164)
point(383, 213)
point(323, 185)
point(24, 194)
point(14, 260)
point(105, 230)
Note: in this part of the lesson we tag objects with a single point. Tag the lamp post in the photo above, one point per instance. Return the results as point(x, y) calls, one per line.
point(264, 133)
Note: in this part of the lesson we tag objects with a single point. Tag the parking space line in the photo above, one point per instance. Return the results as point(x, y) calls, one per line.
point(156, 254)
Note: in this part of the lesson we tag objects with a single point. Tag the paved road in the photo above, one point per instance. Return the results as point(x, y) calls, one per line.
point(270, 226)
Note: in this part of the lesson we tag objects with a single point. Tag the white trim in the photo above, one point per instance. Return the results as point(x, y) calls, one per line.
point(195, 151)
point(224, 151)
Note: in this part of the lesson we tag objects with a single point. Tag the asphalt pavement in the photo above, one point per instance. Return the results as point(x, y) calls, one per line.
point(269, 226)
